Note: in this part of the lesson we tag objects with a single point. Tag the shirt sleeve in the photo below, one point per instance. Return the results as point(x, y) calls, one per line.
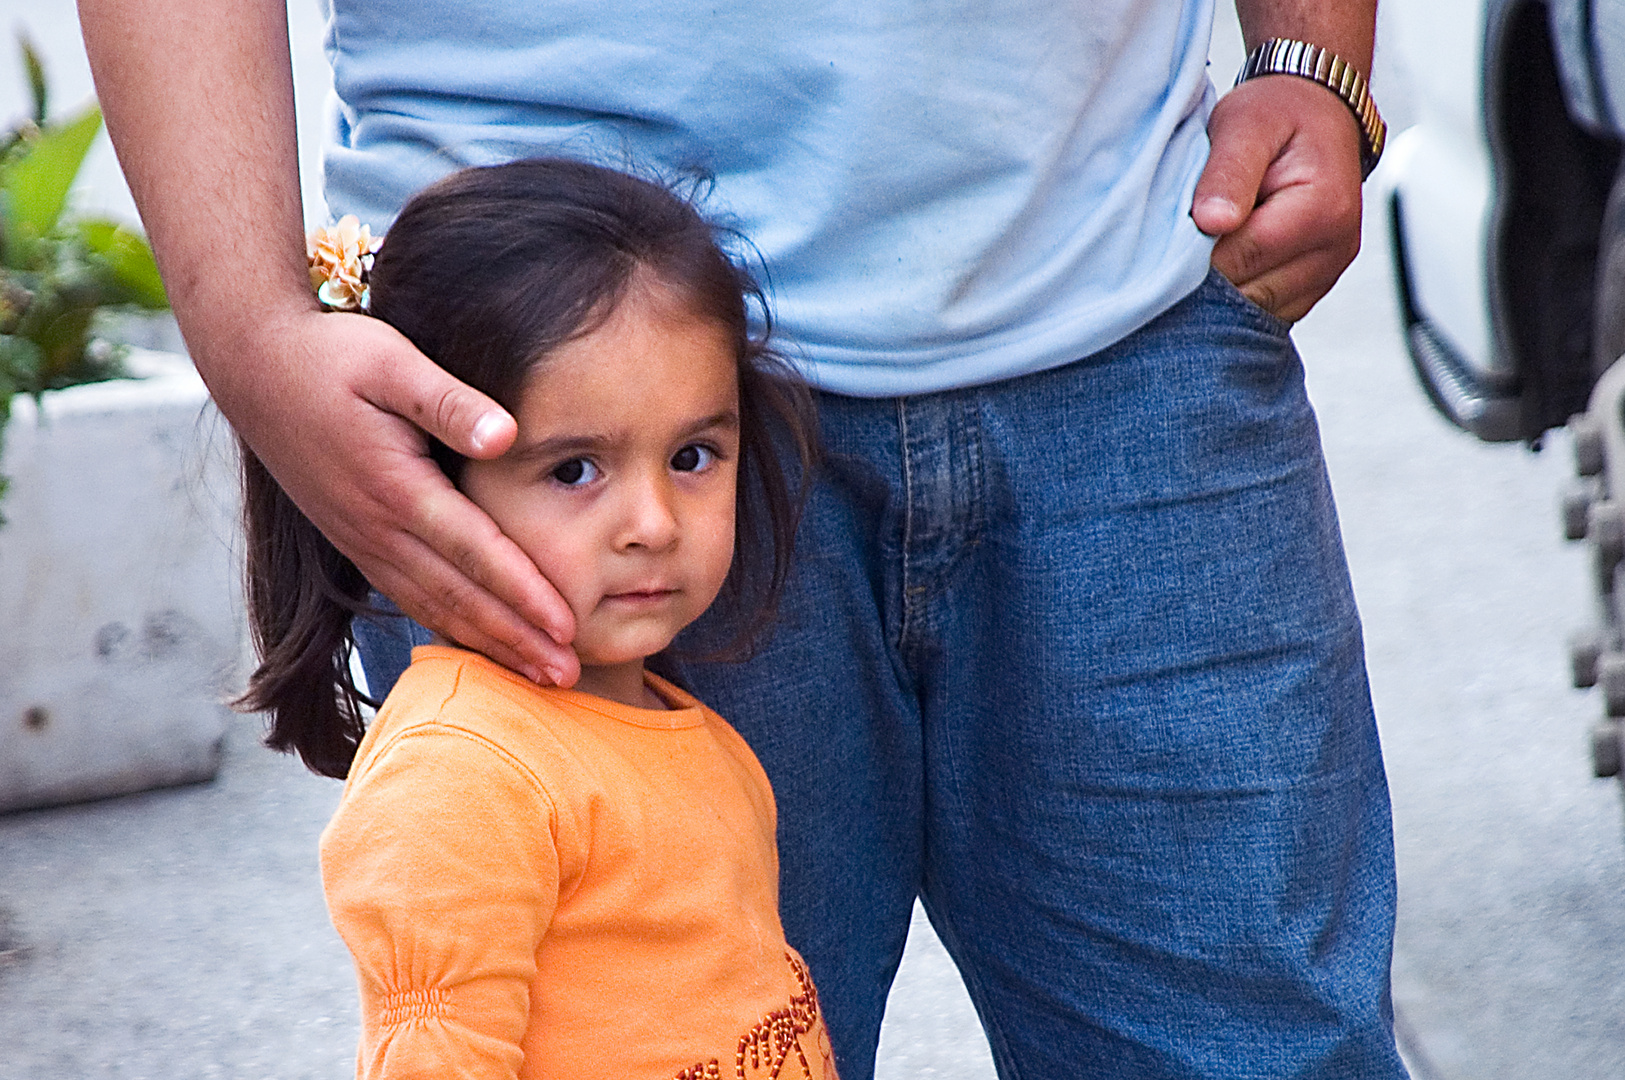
point(442, 874)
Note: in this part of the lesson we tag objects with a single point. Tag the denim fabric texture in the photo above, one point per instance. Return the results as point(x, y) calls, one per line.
point(1074, 658)
point(385, 642)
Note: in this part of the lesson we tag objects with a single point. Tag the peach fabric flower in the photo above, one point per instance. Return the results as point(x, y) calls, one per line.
point(340, 258)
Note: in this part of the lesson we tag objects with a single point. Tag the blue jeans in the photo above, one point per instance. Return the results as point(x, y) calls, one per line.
point(1074, 658)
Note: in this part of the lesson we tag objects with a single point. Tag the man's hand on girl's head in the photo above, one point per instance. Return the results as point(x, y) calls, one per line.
point(361, 396)
point(335, 405)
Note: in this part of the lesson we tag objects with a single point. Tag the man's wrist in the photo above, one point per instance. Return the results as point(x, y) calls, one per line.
point(232, 349)
point(1286, 56)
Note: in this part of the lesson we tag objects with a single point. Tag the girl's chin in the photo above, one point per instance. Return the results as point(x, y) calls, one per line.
point(610, 658)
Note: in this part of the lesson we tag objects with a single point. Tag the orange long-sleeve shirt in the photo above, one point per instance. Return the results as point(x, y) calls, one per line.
point(543, 883)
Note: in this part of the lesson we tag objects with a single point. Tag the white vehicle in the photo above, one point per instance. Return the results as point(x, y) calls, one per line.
point(1509, 251)
point(1506, 203)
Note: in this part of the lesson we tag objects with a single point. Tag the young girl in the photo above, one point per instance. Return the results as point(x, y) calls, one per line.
point(534, 881)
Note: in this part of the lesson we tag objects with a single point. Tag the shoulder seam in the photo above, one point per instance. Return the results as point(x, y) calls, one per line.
point(439, 725)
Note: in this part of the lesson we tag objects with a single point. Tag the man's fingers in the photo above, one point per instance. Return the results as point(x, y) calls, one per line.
point(440, 595)
point(465, 537)
point(1290, 289)
point(1243, 149)
point(1291, 222)
point(396, 521)
point(452, 411)
point(1292, 249)
point(499, 594)
point(449, 567)
point(1239, 257)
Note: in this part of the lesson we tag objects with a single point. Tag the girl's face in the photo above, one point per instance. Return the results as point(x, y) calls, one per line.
point(620, 485)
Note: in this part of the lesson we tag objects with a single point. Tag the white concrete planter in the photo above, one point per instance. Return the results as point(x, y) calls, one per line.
point(120, 617)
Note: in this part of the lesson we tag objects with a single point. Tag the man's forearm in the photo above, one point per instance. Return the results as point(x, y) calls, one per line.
point(1346, 27)
point(199, 104)
point(199, 101)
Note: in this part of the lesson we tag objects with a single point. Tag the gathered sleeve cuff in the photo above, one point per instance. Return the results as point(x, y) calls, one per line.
point(442, 874)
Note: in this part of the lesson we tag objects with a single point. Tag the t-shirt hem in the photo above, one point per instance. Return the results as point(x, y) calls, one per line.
point(1053, 343)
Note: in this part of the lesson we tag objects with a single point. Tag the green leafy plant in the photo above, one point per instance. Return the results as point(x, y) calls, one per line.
point(58, 270)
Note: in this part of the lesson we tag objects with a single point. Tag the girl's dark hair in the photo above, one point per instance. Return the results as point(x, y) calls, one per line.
point(486, 272)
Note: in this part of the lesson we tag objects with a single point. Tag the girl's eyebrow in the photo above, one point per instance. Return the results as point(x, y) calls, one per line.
point(560, 444)
point(727, 418)
point(588, 443)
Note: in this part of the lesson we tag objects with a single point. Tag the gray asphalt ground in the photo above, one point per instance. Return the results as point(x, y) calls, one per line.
point(1511, 936)
point(181, 934)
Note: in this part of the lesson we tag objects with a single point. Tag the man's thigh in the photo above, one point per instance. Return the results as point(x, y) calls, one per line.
point(1156, 823)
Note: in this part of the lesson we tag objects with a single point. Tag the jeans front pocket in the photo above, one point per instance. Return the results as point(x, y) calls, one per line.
point(1226, 290)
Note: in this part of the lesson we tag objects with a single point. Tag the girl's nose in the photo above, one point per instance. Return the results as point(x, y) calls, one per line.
point(651, 516)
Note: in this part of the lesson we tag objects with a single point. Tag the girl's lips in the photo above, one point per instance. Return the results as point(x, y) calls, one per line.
point(641, 596)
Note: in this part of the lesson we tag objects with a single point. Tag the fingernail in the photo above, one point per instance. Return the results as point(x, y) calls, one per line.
point(555, 676)
point(485, 430)
point(534, 674)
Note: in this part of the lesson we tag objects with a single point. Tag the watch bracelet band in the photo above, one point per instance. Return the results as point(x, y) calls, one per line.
point(1284, 56)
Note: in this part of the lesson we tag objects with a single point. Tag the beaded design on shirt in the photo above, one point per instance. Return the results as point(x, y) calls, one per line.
point(767, 1049)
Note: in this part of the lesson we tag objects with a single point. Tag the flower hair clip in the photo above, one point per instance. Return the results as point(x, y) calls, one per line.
point(340, 260)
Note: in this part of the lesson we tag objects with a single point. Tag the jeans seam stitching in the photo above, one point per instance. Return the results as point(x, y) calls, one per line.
point(975, 449)
point(906, 459)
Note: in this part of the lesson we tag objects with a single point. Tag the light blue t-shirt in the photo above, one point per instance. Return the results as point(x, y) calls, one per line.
point(944, 194)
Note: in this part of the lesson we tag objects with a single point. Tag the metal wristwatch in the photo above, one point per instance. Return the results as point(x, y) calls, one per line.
point(1284, 56)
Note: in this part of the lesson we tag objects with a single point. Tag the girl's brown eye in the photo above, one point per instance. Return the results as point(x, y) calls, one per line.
point(692, 458)
point(575, 471)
